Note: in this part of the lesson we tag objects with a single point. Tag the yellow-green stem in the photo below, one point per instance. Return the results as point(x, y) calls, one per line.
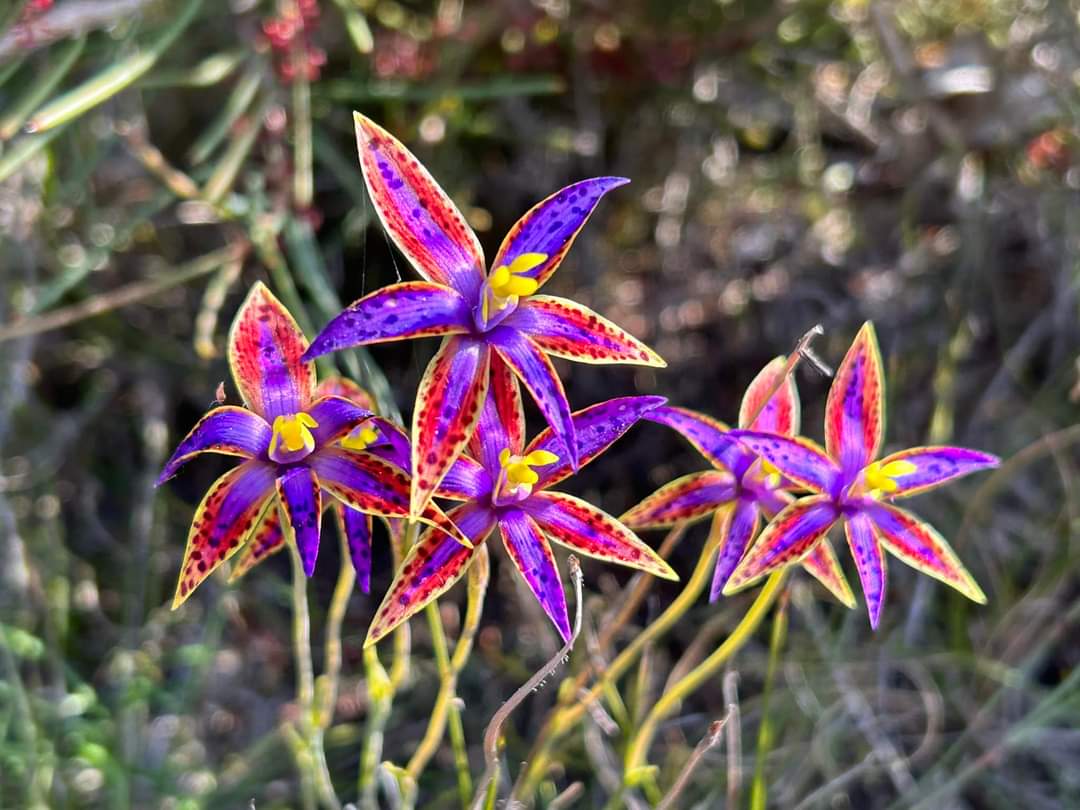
point(758, 790)
point(326, 688)
point(673, 697)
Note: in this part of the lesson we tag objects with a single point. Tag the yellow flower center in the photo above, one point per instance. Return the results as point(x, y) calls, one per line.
point(518, 471)
point(361, 438)
point(770, 474)
point(881, 478)
point(292, 434)
point(508, 282)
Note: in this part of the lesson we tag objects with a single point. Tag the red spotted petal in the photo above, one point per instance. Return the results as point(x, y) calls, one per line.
point(567, 329)
point(781, 415)
point(228, 430)
point(502, 420)
point(337, 386)
point(799, 459)
point(265, 350)
point(531, 554)
point(787, 539)
point(821, 563)
point(587, 530)
point(737, 527)
point(855, 409)
point(355, 527)
point(869, 562)
point(417, 214)
point(266, 540)
point(466, 481)
point(550, 227)
point(691, 497)
point(223, 521)
point(448, 403)
point(918, 544)
point(708, 436)
point(431, 567)
point(301, 500)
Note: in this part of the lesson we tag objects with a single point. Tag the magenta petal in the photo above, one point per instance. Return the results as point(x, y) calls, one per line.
point(466, 481)
point(532, 555)
point(534, 369)
point(935, 466)
point(392, 443)
point(690, 497)
point(502, 419)
point(229, 430)
point(706, 434)
point(550, 226)
point(738, 527)
point(401, 311)
point(869, 562)
point(336, 416)
point(301, 497)
point(799, 459)
point(357, 528)
point(596, 429)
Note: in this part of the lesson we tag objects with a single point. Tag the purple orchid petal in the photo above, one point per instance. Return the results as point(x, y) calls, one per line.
point(532, 556)
point(301, 500)
point(567, 329)
point(392, 443)
point(918, 544)
point(797, 458)
point(466, 481)
point(822, 565)
point(855, 408)
point(708, 436)
point(596, 428)
point(336, 416)
point(688, 498)
point(550, 227)
point(411, 309)
point(223, 520)
point(738, 526)
point(355, 527)
point(502, 419)
point(338, 386)
point(582, 527)
point(265, 351)
point(781, 414)
point(431, 567)
point(787, 539)
point(935, 466)
point(448, 403)
point(417, 214)
point(869, 562)
point(534, 369)
point(228, 430)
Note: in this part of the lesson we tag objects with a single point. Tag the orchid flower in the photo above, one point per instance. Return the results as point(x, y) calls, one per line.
point(480, 316)
point(741, 487)
point(505, 484)
point(852, 486)
point(289, 440)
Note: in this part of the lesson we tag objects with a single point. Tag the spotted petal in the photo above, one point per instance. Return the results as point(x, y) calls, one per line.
point(448, 403)
point(373, 485)
point(228, 430)
point(799, 459)
point(788, 538)
point(566, 329)
point(265, 350)
point(821, 563)
point(301, 500)
point(466, 481)
point(335, 417)
point(266, 540)
point(708, 436)
point(583, 528)
point(918, 544)
point(417, 214)
point(502, 419)
point(855, 408)
point(550, 227)
point(338, 386)
point(535, 370)
point(781, 414)
point(223, 520)
point(934, 466)
point(869, 562)
point(688, 498)
point(355, 527)
point(596, 427)
point(431, 567)
point(532, 556)
point(737, 527)
point(412, 309)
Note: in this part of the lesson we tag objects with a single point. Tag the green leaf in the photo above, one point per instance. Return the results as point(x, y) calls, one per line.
point(41, 87)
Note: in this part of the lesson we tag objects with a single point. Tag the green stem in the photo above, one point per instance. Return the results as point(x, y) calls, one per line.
point(326, 688)
point(673, 696)
point(758, 790)
point(380, 698)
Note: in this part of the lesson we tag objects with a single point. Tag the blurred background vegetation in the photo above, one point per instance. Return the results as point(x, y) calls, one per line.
point(793, 162)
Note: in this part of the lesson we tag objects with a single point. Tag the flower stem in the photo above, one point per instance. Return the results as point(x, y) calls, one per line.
point(326, 686)
point(758, 790)
point(673, 696)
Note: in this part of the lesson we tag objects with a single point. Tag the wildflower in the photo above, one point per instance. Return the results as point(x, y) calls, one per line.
point(851, 486)
point(741, 487)
point(506, 485)
point(289, 440)
point(481, 317)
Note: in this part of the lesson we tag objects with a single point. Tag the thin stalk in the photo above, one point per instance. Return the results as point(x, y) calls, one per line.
point(326, 687)
point(670, 700)
point(300, 741)
point(380, 698)
point(758, 790)
point(303, 181)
